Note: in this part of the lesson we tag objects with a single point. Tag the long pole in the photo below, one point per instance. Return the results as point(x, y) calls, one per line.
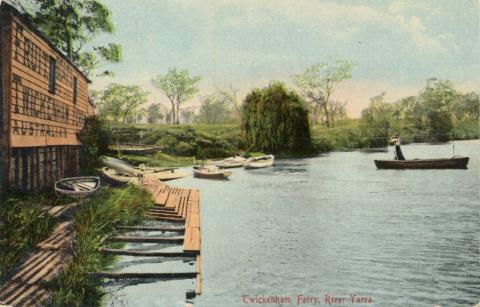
point(453, 142)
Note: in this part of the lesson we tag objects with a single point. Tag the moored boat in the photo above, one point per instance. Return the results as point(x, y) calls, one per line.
point(231, 162)
point(123, 178)
point(122, 166)
point(259, 162)
point(135, 149)
point(447, 163)
point(210, 173)
point(121, 172)
point(117, 176)
point(77, 186)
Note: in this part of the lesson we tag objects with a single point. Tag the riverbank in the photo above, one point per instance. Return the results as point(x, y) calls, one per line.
point(87, 227)
point(183, 145)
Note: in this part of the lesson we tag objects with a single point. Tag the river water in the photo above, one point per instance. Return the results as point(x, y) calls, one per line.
point(330, 226)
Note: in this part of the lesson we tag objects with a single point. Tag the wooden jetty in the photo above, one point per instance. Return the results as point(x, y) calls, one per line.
point(172, 205)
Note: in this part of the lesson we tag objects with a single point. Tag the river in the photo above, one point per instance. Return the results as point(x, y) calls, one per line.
point(331, 226)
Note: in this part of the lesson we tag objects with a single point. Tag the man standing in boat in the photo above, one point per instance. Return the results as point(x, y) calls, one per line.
point(398, 151)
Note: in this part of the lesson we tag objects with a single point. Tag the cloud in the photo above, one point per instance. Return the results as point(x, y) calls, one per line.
point(335, 22)
point(408, 7)
point(418, 33)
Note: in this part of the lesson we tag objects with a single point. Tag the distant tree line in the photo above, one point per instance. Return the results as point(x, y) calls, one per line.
point(438, 113)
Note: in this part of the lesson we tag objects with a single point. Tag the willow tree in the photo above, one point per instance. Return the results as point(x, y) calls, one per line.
point(275, 119)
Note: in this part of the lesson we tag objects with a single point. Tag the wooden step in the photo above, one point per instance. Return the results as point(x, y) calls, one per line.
point(130, 252)
point(146, 239)
point(151, 228)
point(115, 275)
point(163, 213)
point(159, 217)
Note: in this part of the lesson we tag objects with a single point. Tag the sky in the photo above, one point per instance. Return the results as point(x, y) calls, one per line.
point(396, 45)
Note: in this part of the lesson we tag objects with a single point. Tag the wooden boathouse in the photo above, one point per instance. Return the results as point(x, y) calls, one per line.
point(43, 103)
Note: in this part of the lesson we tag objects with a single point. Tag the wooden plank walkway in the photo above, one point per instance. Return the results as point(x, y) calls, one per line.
point(179, 205)
point(24, 288)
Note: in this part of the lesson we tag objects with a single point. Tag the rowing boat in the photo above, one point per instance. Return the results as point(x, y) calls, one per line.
point(77, 186)
point(117, 176)
point(259, 162)
point(162, 175)
point(231, 162)
point(122, 166)
point(448, 163)
point(135, 149)
point(210, 173)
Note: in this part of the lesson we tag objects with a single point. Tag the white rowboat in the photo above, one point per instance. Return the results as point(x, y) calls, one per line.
point(210, 173)
point(231, 162)
point(77, 186)
point(259, 162)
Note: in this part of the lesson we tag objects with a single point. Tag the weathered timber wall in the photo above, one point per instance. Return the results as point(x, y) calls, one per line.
point(38, 116)
point(5, 70)
point(44, 102)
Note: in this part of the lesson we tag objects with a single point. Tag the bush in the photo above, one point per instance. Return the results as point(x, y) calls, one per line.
point(95, 137)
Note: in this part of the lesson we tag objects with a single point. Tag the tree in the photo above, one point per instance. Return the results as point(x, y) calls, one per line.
point(122, 102)
point(375, 121)
point(178, 86)
point(214, 110)
point(230, 97)
point(275, 119)
point(71, 25)
point(438, 98)
point(154, 113)
point(337, 111)
point(468, 107)
point(317, 84)
point(187, 115)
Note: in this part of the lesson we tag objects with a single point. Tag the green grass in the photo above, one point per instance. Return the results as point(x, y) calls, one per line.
point(204, 141)
point(97, 219)
point(201, 141)
point(24, 222)
point(343, 136)
point(160, 160)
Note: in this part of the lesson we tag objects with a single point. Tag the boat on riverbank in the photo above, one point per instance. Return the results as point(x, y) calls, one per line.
point(135, 149)
point(121, 172)
point(231, 162)
point(77, 186)
point(259, 162)
point(448, 163)
point(210, 173)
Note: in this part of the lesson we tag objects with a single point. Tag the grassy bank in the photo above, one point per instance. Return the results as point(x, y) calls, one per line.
point(160, 160)
point(24, 222)
point(96, 219)
point(212, 141)
point(183, 143)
